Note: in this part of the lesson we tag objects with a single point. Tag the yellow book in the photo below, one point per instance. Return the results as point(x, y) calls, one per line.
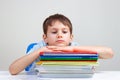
point(76, 63)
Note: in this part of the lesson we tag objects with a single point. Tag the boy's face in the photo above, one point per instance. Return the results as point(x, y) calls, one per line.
point(58, 35)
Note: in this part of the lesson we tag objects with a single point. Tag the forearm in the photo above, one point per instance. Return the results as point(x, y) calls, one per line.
point(103, 52)
point(20, 64)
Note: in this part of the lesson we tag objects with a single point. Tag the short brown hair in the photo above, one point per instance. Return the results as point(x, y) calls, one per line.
point(56, 17)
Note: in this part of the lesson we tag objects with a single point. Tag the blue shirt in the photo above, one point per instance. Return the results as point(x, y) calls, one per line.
point(34, 46)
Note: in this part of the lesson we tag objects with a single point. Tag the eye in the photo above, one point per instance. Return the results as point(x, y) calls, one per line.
point(54, 32)
point(64, 32)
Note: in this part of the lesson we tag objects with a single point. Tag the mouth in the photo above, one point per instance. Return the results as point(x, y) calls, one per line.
point(60, 41)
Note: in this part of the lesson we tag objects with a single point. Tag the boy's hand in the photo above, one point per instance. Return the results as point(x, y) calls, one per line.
point(50, 49)
point(45, 49)
point(61, 48)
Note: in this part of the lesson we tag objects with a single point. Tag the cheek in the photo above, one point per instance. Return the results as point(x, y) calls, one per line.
point(51, 36)
point(67, 36)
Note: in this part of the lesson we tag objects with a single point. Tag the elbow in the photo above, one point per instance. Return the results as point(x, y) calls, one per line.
point(12, 71)
point(111, 53)
point(106, 54)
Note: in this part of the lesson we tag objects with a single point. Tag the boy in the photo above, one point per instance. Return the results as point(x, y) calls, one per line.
point(57, 37)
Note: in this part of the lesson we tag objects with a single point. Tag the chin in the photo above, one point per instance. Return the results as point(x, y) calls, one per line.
point(61, 45)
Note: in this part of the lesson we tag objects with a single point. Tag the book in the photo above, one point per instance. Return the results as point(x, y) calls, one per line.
point(82, 52)
point(63, 75)
point(63, 58)
point(64, 71)
point(64, 67)
point(68, 56)
point(67, 64)
point(77, 63)
point(49, 71)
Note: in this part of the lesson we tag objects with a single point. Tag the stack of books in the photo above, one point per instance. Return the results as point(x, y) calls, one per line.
point(67, 64)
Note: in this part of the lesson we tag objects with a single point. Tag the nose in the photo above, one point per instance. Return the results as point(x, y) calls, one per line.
point(59, 35)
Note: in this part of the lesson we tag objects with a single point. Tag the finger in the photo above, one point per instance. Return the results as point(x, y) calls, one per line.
point(51, 47)
point(60, 48)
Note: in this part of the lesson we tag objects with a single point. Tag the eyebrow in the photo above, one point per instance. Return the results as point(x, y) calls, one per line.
point(62, 28)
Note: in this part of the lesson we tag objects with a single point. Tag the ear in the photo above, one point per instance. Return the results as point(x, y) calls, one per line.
point(45, 38)
point(71, 37)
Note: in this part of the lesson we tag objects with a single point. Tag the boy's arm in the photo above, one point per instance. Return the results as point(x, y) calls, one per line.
point(21, 63)
point(103, 52)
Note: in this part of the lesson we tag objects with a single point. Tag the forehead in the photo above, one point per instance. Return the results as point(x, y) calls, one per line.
point(58, 25)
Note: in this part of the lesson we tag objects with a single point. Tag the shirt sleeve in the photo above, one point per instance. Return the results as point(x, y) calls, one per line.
point(32, 49)
point(74, 44)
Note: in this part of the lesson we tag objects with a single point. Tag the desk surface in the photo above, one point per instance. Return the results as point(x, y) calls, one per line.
point(101, 75)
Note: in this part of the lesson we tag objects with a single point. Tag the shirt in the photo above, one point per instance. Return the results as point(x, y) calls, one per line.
point(34, 46)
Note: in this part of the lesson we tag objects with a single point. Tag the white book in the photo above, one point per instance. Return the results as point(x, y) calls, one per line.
point(65, 75)
point(58, 69)
point(64, 67)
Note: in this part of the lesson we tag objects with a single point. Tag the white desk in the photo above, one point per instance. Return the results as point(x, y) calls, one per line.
point(101, 75)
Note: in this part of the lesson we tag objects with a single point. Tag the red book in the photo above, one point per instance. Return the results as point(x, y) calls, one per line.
point(81, 52)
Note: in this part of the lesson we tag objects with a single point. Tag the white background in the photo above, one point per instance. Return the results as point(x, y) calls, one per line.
point(95, 22)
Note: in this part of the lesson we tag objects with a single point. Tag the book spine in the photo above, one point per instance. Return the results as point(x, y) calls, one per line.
point(80, 56)
point(68, 58)
point(82, 52)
